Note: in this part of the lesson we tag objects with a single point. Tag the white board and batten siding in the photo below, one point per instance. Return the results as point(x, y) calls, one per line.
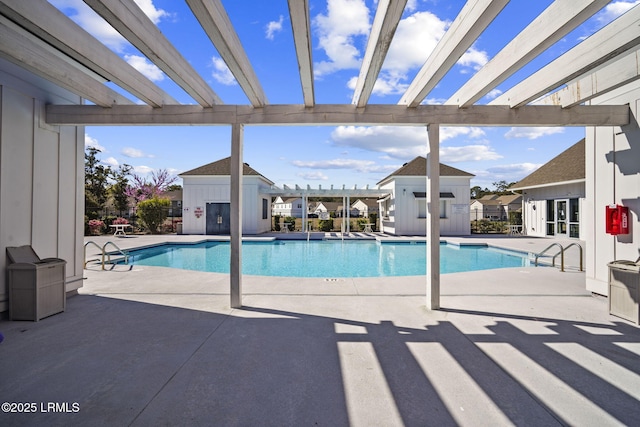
point(534, 206)
point(408, 216)
point(612, 177)
point(41, 176)
point(200, 190)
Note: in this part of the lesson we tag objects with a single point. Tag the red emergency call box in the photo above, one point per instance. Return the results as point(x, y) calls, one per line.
point(617, 220)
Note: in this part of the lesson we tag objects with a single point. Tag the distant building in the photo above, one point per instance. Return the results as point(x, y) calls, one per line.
point(494, 207)
point(554, 195)
point(364, 207)
point(291, 206)
point(206, 205)
point(404, 210)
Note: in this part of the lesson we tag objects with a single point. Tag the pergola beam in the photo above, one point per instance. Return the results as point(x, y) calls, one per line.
point(384, 27)
point(329, 114)
point(44, 20)
point(551, 25)
point(130, 21)
point(301, 27)
point(615, 39)
point(28, 51)
point(618, 73)
point(215, 22)
point(472, 20)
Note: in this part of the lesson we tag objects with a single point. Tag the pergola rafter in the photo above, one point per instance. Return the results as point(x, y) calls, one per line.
point(130, 21)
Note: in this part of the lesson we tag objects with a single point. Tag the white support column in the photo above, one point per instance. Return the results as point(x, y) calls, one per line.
point(433, 218)
point(348, 207)
point(237, 133)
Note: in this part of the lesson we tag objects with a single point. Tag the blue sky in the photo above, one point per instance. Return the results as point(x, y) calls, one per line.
point(345, 155)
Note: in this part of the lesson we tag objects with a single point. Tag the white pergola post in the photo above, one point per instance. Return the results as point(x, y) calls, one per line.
point(237, 131)
point(433, 218)
point(348, 208)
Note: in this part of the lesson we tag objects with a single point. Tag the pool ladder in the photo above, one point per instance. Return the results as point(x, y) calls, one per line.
point(561, 253)
point(104, 252)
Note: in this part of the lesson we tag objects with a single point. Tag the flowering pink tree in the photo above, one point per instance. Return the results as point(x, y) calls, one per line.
point(141, 189)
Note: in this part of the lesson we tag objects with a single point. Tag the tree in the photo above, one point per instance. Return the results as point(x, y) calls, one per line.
point(119, 187)
point(141, 189)
point(502, 187)
point(96, 178)
point(152, 212)
point(477, 192)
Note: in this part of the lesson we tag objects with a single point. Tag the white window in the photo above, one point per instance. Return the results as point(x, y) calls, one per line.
point(422, 208)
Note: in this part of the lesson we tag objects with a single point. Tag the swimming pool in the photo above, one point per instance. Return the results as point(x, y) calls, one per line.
point(326, 258)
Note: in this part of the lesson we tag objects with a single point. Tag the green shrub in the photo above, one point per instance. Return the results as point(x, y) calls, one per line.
point(325, 224)
point(152, 212)
point(291, 222)
point(276, 222)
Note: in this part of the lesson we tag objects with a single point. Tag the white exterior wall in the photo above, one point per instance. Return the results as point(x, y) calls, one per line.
point(200, 190)
point(41, 176)
point(404, 216)
point(534, 206)
point(612, 176)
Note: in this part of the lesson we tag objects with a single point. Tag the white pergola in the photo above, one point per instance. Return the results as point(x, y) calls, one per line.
point(41, 39)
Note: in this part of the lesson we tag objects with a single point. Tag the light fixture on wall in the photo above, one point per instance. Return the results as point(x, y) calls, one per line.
point(404, 191)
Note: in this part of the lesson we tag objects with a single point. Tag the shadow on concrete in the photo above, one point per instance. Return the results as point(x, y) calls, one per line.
point(131, 363)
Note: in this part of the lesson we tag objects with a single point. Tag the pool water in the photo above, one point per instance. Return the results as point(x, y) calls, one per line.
point(326, 258)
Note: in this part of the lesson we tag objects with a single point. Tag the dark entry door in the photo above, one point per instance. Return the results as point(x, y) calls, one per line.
point(218, 218)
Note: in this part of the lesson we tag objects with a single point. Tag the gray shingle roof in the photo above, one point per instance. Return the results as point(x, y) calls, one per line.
point(221, 167)
point(566, 166)
point(418, 167)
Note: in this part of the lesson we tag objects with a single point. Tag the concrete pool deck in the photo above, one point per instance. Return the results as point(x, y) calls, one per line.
point(158, 346)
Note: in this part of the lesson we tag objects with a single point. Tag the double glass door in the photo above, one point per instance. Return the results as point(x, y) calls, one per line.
point(563, 218)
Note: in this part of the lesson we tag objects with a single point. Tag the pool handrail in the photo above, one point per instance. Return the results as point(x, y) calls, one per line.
point(561, 253)
point(104, 252)
point(553, 260)
point(90, 242)
point(579, 247)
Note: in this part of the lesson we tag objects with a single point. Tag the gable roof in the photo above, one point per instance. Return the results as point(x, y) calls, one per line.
point(566, 166)
point(222, 167)
point(418, 167)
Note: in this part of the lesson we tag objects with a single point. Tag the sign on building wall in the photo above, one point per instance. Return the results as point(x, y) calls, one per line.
point(459, 209)
point(198, 211)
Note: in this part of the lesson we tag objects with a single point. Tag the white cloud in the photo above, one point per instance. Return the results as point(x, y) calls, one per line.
point(221, 72)
point(142, 170)
point(274, 27)
point(520, 169)
point(474, 58)
point(111, 161)
point(615, 9)
point(313, 176)
point(337, 31)
point(134, 153)
point(151, 11)
point(450, 132)
point(532, 132)
point(359, 165)
point(493, 94)
point(398, 142)
point(148, 69)
point(469, 153)
point(92, 142)
point(404, 52)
